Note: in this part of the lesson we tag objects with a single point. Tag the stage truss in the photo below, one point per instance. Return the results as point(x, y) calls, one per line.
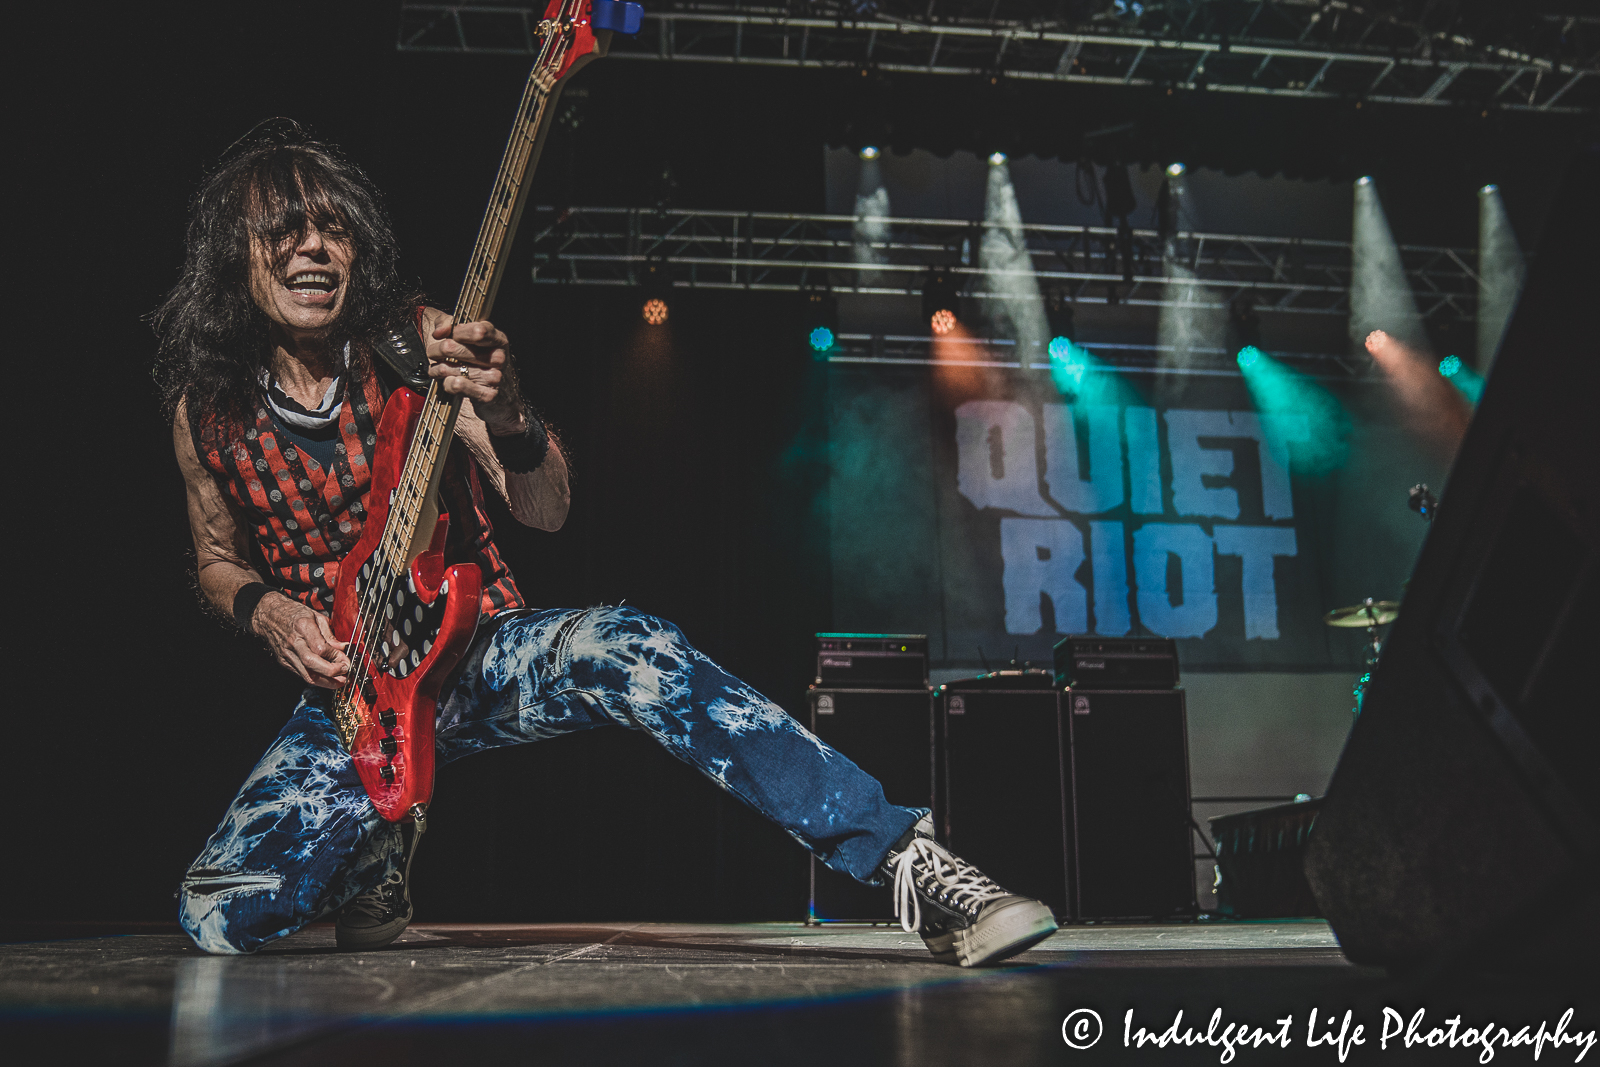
point(777, 251)
point(1328, 49)
point(770, 251)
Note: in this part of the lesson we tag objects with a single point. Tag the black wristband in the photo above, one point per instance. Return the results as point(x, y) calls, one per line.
point(522, 452)
point(245, 601)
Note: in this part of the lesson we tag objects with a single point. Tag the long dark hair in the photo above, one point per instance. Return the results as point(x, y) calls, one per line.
point(212, 336)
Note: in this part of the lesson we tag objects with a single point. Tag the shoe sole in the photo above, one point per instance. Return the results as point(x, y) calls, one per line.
point(367, 938)
point(1011, 929)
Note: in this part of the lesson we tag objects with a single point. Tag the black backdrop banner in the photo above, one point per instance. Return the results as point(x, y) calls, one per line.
point(984, 509)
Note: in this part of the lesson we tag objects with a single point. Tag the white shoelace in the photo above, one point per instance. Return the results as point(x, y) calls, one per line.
point(961, 878)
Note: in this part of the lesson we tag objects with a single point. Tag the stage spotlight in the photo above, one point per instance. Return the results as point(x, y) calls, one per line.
point(941, 302)
point(1058, 320)
point(996, 158)
point(655, 285)
point(1380, 290)
point(1450, 366)
point(1365, 179)
point(1500, 274)
point(1068, 363)
point(1248, 357)
point(821, 322)
point(869, 152)
point(1175, 170)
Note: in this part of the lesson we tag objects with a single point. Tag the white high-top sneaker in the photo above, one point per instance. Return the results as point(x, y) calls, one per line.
point(963, 916)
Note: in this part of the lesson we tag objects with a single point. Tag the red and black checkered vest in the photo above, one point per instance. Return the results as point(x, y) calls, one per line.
point(305, 518)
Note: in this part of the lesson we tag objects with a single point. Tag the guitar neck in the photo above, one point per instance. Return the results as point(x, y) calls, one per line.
point(411, 518)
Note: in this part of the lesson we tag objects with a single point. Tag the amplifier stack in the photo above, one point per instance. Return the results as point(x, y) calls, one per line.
point(1070, 786)
point(872, 702)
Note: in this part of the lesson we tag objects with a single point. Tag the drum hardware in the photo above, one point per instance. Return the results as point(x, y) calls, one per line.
point(1423, 502)
point(1370, 614)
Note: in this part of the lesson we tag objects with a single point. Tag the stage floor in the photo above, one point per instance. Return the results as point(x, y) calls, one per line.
point(769, 993)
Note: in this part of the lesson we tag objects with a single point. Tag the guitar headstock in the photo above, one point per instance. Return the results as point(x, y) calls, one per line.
point(574, 31)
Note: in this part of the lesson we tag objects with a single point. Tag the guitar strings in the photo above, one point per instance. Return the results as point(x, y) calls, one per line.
point(410, 493)
point(432, 427)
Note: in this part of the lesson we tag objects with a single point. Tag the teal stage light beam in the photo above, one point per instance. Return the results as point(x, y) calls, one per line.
point(1081, 378)
point(1463, 377)
point(1279, 390)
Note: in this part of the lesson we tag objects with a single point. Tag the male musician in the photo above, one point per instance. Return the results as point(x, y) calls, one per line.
point(269, 371)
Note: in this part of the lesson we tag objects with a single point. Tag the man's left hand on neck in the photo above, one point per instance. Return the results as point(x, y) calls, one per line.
point(473, 359)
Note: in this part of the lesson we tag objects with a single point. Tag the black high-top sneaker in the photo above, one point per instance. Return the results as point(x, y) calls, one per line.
point(963, 916)
point(376, 917)
point(382, 913)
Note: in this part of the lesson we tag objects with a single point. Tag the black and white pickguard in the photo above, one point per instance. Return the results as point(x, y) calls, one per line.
point(410, 627)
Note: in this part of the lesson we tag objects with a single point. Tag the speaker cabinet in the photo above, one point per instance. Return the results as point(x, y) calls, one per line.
point(1004, 802)
point(889, 733)
point(1462, 823)
point(1132, 853)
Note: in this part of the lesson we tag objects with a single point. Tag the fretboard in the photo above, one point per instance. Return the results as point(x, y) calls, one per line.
point(435, 428)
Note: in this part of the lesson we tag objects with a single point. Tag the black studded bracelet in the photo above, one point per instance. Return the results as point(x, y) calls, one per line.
point(522, 452)
point(245, 601)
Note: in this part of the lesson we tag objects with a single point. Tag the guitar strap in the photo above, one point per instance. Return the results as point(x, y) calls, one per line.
point(401, 353)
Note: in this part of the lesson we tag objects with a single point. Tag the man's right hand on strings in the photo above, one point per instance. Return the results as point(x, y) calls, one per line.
point(302, 641)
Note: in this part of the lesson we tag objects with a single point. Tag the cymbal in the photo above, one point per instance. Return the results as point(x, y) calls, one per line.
point(1357, 616)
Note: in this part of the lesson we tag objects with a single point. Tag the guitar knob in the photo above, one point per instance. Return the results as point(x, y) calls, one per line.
point(388, 775)
point(389, 745)
point(388, 719)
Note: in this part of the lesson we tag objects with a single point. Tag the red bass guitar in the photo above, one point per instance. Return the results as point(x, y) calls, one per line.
point(407, 616)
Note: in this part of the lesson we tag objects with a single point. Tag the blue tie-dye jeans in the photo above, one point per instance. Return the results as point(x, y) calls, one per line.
point(301, 838)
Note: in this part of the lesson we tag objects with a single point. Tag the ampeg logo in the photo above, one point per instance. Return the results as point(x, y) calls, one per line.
point(825, 705)
point(1080, 705)
point(958, 706)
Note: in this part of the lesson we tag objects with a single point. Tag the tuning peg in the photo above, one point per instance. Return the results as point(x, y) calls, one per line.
point(615, 15)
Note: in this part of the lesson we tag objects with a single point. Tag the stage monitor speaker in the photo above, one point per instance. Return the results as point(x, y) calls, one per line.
point(1463, 818)
point(1261, 861)
point(1132, 855)
point(1003, 801)
point(889, 734)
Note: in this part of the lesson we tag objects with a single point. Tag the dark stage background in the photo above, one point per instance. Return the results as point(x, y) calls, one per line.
point(133, 717)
